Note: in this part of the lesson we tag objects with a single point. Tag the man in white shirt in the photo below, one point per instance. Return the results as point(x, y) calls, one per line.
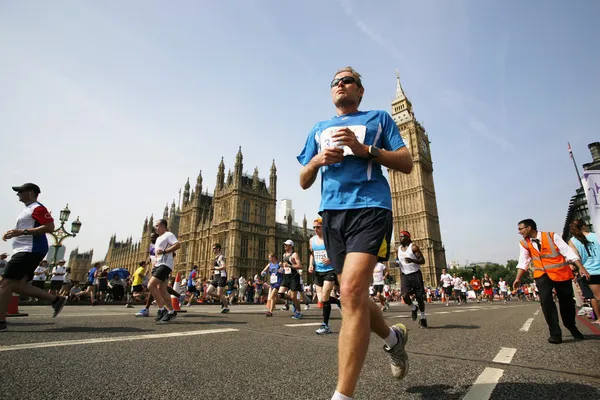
point(166, 244)
point(446, 280)
point(58, 277)
point(410, 260)
point(457, 284)
point(379, 274)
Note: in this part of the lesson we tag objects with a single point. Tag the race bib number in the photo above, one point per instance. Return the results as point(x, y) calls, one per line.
point(273, 278)
point(325, 140)
point(287, 270)
point(486, 284)
point(217, 272)
point(319, 256)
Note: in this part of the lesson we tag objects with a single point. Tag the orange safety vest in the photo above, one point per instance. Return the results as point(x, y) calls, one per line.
point(548, 260)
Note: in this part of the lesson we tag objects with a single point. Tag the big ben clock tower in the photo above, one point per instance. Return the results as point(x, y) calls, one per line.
point(413, 196)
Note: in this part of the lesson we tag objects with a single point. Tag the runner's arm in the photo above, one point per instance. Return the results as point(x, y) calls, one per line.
point(420, 259)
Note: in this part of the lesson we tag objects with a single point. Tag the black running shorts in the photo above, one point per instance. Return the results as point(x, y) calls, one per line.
point(363, 230)
point(291, 282)
point(21, 265)
point(412, 284)
point(161, 272)
point(321, 277)
point(219, 282)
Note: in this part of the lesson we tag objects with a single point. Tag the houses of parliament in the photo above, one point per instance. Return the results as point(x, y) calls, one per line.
point(240, 215)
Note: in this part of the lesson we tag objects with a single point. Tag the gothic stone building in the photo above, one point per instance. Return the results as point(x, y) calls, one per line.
point(240, 215)
point(80, 264)
point(413, 196)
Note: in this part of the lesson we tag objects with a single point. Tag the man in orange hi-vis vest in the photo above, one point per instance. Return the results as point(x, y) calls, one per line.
point(551, 260)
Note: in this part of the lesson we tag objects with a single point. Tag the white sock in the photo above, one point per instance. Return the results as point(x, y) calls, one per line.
point(413, 307)
point(338, 396)
point(161, 309)
point(172, 312)
point(422, 314)
point(391, 340)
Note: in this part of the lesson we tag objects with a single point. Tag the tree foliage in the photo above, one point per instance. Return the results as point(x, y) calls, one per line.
point(494, 271)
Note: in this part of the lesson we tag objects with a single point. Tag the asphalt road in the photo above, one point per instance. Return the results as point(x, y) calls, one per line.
point(104, 352)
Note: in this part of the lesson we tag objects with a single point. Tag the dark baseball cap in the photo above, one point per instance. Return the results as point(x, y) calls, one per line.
point(27, 186)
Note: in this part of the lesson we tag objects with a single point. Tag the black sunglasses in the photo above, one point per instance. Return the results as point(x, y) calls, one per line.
point(346, 80)
point(318, 226)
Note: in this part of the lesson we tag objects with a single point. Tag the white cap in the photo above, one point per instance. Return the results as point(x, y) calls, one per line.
point(61, 261)
point(289, 243)
point(105, 267)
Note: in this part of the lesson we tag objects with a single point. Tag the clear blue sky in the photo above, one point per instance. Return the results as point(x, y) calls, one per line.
point(110, 106)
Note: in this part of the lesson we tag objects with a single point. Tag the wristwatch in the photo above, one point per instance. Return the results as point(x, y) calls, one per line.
point(373, 152)
point(25, 232)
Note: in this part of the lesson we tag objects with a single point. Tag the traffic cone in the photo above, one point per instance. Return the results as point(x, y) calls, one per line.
point(13, 307)
point(177, 288)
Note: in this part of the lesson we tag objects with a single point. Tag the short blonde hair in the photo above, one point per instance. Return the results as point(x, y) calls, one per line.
point(318, 220)
point(354, 73)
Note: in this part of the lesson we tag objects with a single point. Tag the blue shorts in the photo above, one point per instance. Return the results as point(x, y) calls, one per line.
point(275, 285)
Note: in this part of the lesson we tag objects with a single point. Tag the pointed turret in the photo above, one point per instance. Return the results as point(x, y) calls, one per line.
point(273, 181)
point(229, 177)
point(255, 180)
point(186, 192)
point(172, 208)
point(221, 175)
point(166, 212)
point(399, 92)
point(304, 224)
point(239, 165)
point(199, 182)
point(145, 225)
point(151, 223)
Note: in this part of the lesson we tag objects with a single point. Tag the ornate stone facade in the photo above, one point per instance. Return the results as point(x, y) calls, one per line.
point(80, 264)
point(413, 196)
point(240, 215)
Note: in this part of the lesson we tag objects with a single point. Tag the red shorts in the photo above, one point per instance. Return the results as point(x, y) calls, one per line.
point(488, 292)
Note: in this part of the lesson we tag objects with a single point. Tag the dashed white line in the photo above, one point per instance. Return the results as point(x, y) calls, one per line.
point(526, 325)
point(485, 384)
point(505, 355)
point(443, 312)
point(26, 346)
point(537, 312)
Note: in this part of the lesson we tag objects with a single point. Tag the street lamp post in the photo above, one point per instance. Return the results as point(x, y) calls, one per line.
point(61, 233)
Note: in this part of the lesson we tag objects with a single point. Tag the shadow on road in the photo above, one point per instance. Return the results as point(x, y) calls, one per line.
point(454, 327)
point(514, 390)
point(31, 323)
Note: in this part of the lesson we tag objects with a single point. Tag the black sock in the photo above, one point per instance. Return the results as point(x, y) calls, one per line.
point(56, 299)
point(326, 313)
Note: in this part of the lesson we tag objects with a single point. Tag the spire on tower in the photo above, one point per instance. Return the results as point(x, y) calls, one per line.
point(399, 92)
point(166, 212)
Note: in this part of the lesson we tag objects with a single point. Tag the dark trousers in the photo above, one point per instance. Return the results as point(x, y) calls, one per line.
point(564, 292)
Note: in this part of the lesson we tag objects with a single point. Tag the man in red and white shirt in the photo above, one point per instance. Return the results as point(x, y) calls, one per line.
point(29, 248)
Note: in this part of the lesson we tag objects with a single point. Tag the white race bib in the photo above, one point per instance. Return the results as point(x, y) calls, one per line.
point(287, 270)
point(273, 278)
point(217, 272)
point(486, 284)
point(319, 255)
point(325, 140)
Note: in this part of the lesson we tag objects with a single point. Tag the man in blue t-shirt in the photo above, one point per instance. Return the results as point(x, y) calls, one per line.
point(350, 150)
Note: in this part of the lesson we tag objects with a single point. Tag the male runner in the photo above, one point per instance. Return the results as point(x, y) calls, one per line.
point(325, 277)
point(30, 245)
point(137, 287)
point(446, 280)
point(410, 259)
point(216, 288)
point(191, 284)
point(503, 289)
point(356, 205)
point(476, 285)
point(379, 275)
point(457, 285)
point(290, 282)
point(166, 244)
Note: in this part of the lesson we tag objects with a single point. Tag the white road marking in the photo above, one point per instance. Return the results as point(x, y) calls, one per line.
point(505, 355)
point(461, 311)
point(526, 325)
point(537, 312)
point(307, 324)
point(484, 385)
point(397, 316)
point(26, 346)
point(443, 312)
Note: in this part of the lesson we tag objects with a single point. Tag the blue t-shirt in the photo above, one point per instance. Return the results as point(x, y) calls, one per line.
point(319, 253)
point(91, 274)
point(591, 262)
point(355, 182)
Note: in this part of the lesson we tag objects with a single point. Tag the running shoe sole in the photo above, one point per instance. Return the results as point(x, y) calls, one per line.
point(398, 356)
point(60, 304)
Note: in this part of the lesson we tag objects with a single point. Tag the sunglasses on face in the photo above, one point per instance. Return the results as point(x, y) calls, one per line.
point(318, 226)
point(346, 80)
